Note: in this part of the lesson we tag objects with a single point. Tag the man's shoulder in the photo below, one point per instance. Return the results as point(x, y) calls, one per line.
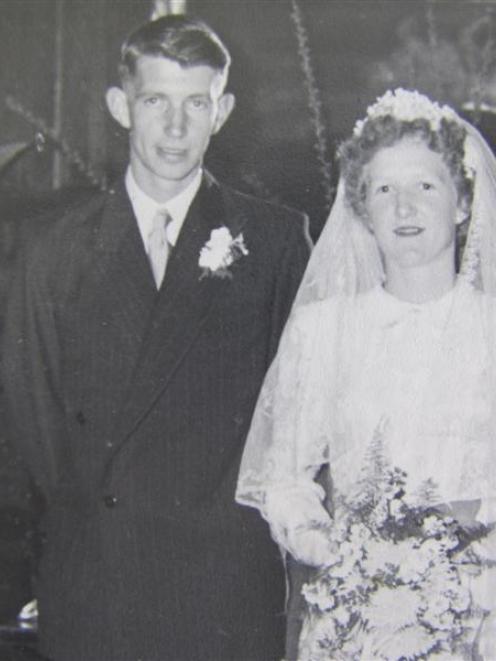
point(64, 221)
point(61, 238)
point(263, 208)
point(273, 223)
point(73, 211)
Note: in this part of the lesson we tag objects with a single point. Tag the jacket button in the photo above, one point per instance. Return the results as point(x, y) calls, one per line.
point(80, 418)
point(110, 500)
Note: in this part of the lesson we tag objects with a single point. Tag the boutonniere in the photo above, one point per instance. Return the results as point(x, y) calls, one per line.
point(220, 251)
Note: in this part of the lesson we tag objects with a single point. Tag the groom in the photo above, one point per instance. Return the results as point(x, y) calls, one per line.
point(139, 331)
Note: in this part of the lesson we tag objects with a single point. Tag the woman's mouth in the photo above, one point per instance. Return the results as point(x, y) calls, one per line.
point(408, 230)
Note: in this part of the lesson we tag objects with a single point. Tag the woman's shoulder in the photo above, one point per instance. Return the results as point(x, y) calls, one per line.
point(329, 310)
point(474, 300)
point(310, 313)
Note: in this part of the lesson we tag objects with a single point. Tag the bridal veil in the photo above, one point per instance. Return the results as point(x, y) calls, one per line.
point(296, 424)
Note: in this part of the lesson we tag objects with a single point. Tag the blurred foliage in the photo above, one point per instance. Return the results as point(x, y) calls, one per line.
point(451, 60)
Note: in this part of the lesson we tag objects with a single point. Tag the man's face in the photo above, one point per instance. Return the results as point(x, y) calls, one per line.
point(171, 111)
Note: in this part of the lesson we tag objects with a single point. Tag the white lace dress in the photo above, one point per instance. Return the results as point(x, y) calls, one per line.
point(420, 373)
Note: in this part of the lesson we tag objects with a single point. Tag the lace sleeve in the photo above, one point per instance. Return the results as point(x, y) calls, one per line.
point(289, 436)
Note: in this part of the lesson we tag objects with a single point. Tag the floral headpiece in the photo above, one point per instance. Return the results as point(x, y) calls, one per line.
point(407, 106)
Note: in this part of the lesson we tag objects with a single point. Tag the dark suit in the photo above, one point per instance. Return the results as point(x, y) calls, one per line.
point(130, 409)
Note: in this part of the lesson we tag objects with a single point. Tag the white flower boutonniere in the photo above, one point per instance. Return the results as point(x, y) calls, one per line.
point(220, 251)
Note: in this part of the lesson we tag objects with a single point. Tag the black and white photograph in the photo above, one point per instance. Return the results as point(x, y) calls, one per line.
point(247, 330)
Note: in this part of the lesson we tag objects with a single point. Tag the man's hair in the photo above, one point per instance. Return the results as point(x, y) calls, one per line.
point(182, 39)
point(386, 131)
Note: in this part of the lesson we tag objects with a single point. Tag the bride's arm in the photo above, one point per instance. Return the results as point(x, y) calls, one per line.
point(288, 441)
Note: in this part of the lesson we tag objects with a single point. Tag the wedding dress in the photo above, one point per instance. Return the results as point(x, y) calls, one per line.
point(355, 362)
point(416, 371)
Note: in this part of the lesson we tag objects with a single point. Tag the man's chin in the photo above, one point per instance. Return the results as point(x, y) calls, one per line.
point(175, 172)
point(164, 183)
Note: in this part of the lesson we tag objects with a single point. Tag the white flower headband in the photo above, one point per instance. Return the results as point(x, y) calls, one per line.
point(407, 106)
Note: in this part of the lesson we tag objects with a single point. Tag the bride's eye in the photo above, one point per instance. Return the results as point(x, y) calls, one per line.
point(425, 185)
point(383, 189)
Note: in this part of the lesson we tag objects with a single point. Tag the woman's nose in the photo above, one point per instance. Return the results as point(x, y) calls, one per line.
point(405, 205)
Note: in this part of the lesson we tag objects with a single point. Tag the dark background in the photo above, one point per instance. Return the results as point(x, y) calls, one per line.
point(58, 57)
point(303, 71)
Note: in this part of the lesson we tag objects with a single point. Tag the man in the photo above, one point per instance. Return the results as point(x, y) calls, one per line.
point(135, 346)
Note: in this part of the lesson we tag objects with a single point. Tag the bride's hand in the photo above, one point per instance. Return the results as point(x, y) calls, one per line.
point(310, 546)
point(299, 522)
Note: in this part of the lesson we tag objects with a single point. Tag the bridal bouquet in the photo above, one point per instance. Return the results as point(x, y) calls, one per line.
point(397, 585)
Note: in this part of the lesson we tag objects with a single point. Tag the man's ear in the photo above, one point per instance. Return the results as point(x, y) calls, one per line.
point(225, 108)
point(462, 212)
point(118, 107)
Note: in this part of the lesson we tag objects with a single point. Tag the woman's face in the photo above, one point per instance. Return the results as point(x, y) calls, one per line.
point(412, 205)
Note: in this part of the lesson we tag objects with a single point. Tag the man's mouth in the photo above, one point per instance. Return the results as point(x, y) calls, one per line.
point(172, 153)
point(408, 230)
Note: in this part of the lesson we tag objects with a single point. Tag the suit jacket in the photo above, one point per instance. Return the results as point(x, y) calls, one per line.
point(130, 408)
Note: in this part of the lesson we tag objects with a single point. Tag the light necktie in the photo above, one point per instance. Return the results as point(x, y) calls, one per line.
point(158, 245)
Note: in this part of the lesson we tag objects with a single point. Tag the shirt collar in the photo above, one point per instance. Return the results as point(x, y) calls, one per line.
point(388, 311)
point(145, 207)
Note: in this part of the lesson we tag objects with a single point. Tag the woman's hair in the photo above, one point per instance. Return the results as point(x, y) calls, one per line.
point(385, 131)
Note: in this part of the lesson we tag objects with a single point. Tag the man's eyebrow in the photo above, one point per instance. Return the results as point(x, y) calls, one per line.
point(145, 92)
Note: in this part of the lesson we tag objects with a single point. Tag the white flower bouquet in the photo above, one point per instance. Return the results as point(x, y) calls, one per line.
point(397, 587)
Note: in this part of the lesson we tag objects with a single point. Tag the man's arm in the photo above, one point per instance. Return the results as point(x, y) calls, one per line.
point(26, 411)
point(30, 369)
point(18, 507)
point(294, 257)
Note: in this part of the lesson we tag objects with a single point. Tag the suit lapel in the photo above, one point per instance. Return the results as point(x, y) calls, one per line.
point(121, 275)
point(183, 304)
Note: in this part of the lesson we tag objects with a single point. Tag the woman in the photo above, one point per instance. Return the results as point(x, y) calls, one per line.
point(389, 340)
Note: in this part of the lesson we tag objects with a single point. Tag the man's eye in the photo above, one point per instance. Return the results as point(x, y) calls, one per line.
point(426, 185)
point(198, 104)
point(152, 101)
point(383, 189)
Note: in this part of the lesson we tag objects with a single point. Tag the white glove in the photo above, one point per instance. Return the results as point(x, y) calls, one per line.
point(310, 546)
point(298, 520)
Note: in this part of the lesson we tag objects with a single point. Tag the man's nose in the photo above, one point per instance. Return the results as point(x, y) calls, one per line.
point(175, 121)
point(405, 205)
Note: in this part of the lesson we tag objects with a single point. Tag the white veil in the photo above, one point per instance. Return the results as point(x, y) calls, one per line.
point(295, 420)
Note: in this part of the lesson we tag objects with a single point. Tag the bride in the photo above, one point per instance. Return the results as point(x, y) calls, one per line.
point(392, 335)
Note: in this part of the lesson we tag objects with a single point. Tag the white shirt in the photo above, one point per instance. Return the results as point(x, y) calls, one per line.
point(145, 207)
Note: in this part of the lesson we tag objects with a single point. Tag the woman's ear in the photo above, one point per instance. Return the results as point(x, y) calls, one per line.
point(462, 212)
point(363, 217)
point(363, 213)
point(118, 106)
point(362, 209)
